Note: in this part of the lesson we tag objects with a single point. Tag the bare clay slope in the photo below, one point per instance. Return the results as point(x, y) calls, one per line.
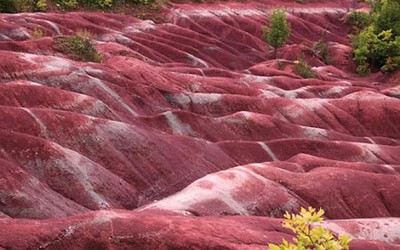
point(194, 113)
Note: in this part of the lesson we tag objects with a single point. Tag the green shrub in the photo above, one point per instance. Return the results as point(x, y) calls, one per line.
point(79, 46)
point(66, 4)
point(321, 50)
point(73, 4)
point(392, 63)
point(377, 50)
point(386, 16)
point(41, 5)
point(303, 69)
point(308, 237)
point(378, 45)
point(359, 19)
point(278, 31)
point(99, 3)
point(363, 69)
point(362, 50)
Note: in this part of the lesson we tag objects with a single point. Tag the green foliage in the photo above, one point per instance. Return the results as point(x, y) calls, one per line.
point(99, 3)
point(73, 4)
point(379, 50)
point(41, 5)
point(392, 63)
point(359, 19)
point(66, 4)
point(309, 237)
point(386, 16)
point(378, 45)
point(79, 46)
point(303, 69)
point(278, 31)
point(321, 50)
point(362, 50)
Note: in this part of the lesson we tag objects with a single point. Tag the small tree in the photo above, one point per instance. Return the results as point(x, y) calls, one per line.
point(309, 237)
point(278, 31)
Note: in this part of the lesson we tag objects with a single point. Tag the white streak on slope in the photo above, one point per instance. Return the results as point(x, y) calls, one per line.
point(176, 125)
point(269, 151)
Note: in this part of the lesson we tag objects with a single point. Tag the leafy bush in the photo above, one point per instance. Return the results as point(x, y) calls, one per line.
point(278, 31)
point(99, 3)
point(392, 63)
point(73, 4)
point(378, 45)
point(316, 237)
point(66, 4)
point(41, 5)
point(321, 50)
point(79, 46)
point(377, 50)
point(303, 69)
point(386, 16)
point(359, 19)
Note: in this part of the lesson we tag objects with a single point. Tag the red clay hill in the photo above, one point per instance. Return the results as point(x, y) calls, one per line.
point(189, 135)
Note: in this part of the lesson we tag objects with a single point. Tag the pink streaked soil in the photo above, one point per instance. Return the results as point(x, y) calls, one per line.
point(190, 135)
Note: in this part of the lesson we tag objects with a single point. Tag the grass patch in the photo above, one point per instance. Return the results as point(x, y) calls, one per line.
point(321, 50)
point(302, 68)
point(78, 46)
point(37, 33)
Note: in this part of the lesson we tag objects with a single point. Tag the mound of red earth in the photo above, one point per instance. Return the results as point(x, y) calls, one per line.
point(190, 135)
